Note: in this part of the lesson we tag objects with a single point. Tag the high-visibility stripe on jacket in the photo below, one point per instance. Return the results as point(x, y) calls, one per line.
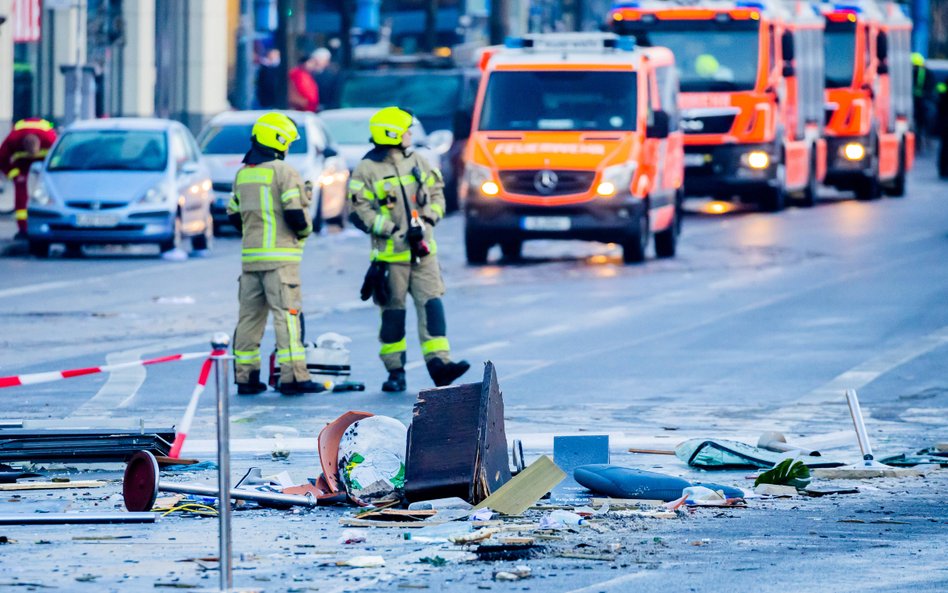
point(375, 193)
point(262, 195)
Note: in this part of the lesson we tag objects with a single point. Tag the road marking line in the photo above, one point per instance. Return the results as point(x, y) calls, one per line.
point(599, 587)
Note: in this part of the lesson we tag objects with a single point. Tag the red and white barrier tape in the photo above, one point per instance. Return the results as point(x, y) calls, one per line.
point(185, 427)
point(49, 377)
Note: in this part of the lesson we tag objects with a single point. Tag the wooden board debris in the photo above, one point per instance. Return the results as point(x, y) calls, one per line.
point(624, 503)
point(524, 490)
point(850, 473)
point(51, 485)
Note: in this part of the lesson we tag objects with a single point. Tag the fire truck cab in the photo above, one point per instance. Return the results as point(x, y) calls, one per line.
point(751, 93)
point(868, 97)
point(575, 136)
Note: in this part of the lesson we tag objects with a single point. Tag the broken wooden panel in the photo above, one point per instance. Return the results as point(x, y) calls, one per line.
point(457, 445)
point(525, 489)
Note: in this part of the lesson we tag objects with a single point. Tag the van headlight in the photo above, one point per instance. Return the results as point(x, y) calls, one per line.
point(615, 179)
point(481, 179)
point(756, 159)
point(854, 151)
point(40, 195)
point(156, 195)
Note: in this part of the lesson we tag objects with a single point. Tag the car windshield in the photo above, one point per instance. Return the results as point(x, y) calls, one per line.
point(110, 150)
point(559, 100)
point(839, 45)
point(235, 139)
point(432, 97)
point(710, 56)
point(348, 130)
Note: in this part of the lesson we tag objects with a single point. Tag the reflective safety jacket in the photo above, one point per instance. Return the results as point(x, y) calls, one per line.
point(264, 196)
point(14, 158)
point(377, 191)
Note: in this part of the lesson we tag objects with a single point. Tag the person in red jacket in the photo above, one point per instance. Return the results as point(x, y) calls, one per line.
point(29, 142)
point(303, 95)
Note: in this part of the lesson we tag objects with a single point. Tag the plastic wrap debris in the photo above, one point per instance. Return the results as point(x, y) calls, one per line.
point(481, 515)
point(560, 519)
point(440, 504)
point(518, 573)
point(351, 536)
point(776, 490)
point(372, 457)
point(439, 533)
point(702, 496)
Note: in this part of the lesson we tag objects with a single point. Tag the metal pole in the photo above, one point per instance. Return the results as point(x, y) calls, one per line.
point(220, 342)
point(243, 82)
point(854, 410)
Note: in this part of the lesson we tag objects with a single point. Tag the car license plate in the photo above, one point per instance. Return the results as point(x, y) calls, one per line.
point(96, 220)
point(695, 160)
point(546, 223)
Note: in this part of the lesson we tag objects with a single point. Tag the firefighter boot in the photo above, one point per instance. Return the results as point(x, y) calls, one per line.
point(444, 373)
point(300, 388)
point(395, 382)
point(253, 387)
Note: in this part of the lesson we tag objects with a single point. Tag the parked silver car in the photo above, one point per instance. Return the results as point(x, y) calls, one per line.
point(349, 127)
point(122, 180)
point(226, 138)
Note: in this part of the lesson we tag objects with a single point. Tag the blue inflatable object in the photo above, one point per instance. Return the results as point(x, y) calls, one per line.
point(626, 482)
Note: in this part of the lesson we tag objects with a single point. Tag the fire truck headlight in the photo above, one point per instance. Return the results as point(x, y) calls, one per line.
point(757, 159)
point(490, 188)
point(854, 151)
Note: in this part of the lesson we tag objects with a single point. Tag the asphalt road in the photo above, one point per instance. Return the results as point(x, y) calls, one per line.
point(760, 323)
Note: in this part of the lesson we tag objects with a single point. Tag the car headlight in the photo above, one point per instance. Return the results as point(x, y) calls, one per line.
point(615, 179)
point(481, 179)
point(156, 195)
point(40, 195)
point(756, 159)
point(854, 151)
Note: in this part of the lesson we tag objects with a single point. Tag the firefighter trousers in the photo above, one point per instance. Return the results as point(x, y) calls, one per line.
point(423, 281)
point(261, 293)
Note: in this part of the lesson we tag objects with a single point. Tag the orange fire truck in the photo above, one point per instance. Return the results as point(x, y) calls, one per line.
point(751, 93)
point(868, 97)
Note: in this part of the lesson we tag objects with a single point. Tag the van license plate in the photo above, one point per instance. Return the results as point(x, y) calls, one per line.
point(695, 160)
point(546, 223)
point(96, 220)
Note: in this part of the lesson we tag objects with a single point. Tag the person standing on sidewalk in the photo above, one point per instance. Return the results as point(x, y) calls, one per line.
point(270, 207)
point(28, 143)
point(398, 198)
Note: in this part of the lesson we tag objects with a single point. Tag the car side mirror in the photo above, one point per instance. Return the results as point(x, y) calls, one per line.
point(188, 168)
point(788, 70)
point(37, 167)
point(330, 152)
point(440, 141)
point(786, 46)
point(660, 126)
point(882, 47)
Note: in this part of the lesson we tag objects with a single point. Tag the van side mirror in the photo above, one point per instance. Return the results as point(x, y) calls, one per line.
point(660, 125)
point(786, 46)
point(330, 152)
point(463, 121)
point(882, 47)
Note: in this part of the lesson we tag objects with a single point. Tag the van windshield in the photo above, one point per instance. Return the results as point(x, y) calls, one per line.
point(839, 45)
point(559, 100)
point(710, 56)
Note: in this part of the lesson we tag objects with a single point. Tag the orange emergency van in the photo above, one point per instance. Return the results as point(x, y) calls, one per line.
point(868, 97)
point(575, 136)
point(751, 93)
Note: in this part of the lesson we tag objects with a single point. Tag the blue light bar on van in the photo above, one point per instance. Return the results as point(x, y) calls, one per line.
point(517, 42)
point(848, 8)
point(626, 4)
point(745, 4)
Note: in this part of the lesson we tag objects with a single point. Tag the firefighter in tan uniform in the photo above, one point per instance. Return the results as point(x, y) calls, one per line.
point(398, 198)
point(271, 209)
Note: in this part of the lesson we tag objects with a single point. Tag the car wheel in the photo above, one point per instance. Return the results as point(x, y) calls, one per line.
point(204, 241)
point(666, 242)
point(476, 248)
point(633, 248)
point(774, 199)
point(511, 249)
point(318, 214)
point(39, 249)
point(176, 239)
point(897, 189)
point(808, 199)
